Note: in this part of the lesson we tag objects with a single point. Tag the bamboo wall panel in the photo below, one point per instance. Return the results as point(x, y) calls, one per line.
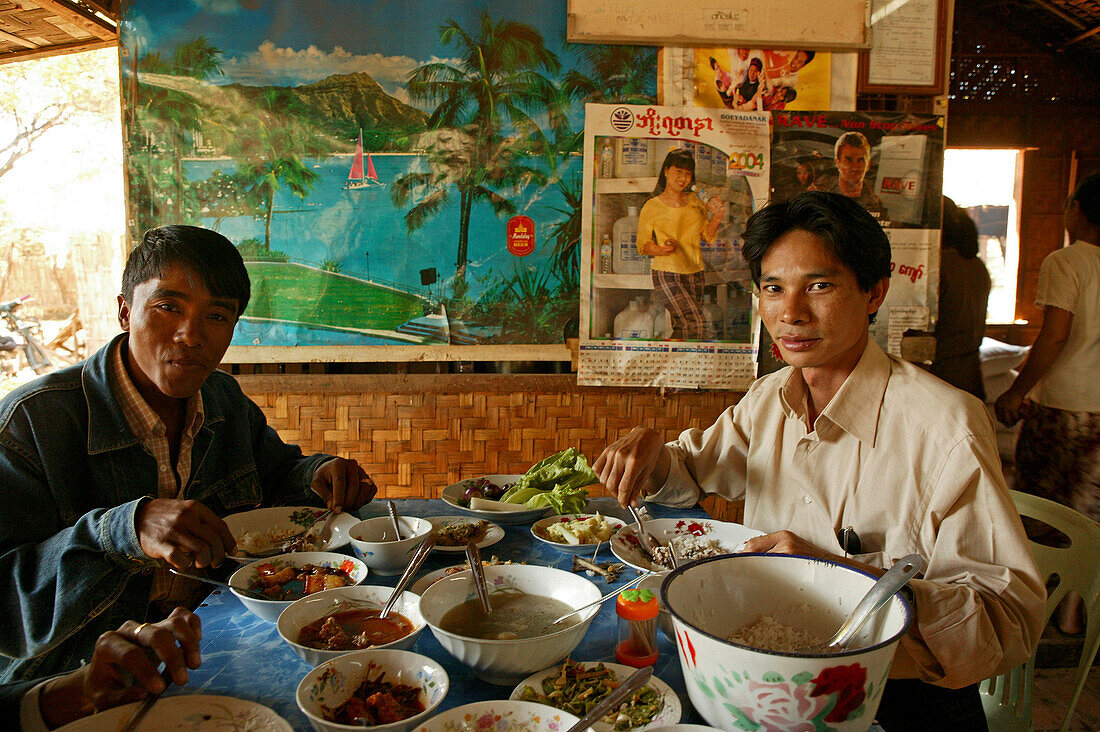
point(416, 434)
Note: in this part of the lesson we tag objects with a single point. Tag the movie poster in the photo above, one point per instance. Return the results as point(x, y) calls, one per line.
point(666, 298)
point(892, 164)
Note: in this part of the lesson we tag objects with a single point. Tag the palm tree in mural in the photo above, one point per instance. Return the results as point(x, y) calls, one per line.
point(268, 145)
point(482, 133)
point(172, 110)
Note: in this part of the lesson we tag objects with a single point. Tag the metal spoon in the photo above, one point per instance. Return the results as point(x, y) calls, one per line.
point(393, 518)
point(612, 701)
point(244, 591)
point(477, 571)
point(606, 597)
point(645, 539)
point(904, 570)
point(281, 547)
point(418, 558)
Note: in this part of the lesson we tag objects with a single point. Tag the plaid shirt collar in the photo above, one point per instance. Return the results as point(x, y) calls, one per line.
point(143, 420)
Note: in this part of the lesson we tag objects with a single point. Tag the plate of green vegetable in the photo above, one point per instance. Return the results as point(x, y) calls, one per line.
point(553, 484)
point(577, 686)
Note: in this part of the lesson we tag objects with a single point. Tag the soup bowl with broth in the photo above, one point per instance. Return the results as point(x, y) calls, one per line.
point(517, 639)
point(714, 600)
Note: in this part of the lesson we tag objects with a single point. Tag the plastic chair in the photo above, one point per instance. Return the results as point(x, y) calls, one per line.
point(1007, 698)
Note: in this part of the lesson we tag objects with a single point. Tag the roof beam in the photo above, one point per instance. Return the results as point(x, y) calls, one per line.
point(1080, 37)
point(4, 35)
point(1055, 10)
point(59, 50)
point(81, 18)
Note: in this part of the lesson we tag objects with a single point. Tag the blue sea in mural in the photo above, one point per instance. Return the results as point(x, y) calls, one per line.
point(365, 233)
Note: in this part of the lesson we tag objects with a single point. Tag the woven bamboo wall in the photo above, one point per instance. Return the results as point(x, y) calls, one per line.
point(416, 434)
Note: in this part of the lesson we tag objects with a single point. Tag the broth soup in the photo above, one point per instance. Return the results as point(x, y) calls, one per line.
point(515, 615)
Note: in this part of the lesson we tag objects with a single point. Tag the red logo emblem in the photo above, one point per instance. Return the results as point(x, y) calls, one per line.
point(521, 235)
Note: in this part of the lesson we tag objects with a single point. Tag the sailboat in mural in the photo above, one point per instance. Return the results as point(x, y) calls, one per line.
point(357, 177)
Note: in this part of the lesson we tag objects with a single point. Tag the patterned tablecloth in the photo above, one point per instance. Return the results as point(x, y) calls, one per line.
point(244, 657)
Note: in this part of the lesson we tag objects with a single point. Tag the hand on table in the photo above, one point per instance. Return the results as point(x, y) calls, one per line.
point(183, 533)
point(343, 485)
point(124, 667)
point(626, 465)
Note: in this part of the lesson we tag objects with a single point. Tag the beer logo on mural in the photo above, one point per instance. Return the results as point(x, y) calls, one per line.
point(521, 235)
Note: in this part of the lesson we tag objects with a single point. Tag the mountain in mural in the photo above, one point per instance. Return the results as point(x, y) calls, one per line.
point(342, 104)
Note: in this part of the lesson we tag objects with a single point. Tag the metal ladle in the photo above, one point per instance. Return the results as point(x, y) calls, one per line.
point(393, 518)
point(477, 570)
point(904, 570)
point(418, 558)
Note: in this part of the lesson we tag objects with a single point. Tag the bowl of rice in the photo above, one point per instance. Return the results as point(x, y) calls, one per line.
point(263, 529)
point(739, 621)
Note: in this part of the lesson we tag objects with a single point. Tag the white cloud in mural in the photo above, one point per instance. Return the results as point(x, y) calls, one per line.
point(269, 64)
point(224, 7)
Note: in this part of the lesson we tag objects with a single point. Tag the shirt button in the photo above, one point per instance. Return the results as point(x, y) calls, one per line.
point(807, 499)
point(164, 468)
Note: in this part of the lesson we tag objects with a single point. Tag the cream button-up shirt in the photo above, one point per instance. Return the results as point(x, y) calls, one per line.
point(911, 464)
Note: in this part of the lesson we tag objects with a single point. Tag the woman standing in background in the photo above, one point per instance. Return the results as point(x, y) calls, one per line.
point(964, 297)
point(1058, 452)
point(669, 228)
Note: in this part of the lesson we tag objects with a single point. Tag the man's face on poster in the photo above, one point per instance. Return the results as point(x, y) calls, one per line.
point(851, 164)
point(799, 60)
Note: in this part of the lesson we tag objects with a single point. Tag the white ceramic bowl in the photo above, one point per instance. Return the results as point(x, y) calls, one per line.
point(334, 681)
point(507, 662)
point(452, 495)
point(538, 530)
point(269, 609)
point(712, 598)
point(316, 606)
point(288, 519)
point(501, 716)
point(374, 542)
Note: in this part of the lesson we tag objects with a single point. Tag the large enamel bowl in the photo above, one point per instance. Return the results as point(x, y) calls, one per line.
point(359, 597)
point(735, 687)
point(507, 662)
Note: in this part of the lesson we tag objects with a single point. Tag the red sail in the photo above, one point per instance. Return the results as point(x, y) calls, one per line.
point(356, 173)
point(370, 168)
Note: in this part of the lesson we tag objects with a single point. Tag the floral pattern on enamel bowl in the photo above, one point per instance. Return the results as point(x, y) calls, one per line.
point(501, 716)
point(735, 687)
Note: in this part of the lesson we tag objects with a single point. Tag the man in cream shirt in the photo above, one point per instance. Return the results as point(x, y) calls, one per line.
point(848, 436)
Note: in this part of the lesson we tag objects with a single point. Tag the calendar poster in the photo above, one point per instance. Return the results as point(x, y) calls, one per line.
point(666, 297)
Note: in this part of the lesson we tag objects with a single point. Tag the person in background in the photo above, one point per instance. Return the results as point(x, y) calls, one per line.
point(722, 81)
point(1057, 392)
point(120, 467)
point(853, 158)
point(848, 436)
point(789, 78)
point(749, 95)
point(806, 175)
point(123, 669)
point(963, 300)
point(669, 228)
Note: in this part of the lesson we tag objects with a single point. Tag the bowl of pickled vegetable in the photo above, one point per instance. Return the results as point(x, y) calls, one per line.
point(384, 690)
point(576, 533)
point(334, 622)
point(290, 577)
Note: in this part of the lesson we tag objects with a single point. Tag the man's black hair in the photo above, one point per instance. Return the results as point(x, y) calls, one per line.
point(843, 225)
point(809, 55)
point(1087, 196)
point(758, 62)
point(206, 253)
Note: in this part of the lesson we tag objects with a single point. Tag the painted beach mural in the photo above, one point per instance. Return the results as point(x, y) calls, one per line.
point(393, 173)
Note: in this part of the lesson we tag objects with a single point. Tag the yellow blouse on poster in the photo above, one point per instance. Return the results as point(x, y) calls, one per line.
point(685, 225)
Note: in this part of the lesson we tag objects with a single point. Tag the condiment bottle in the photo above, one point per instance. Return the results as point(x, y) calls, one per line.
point(637, 611)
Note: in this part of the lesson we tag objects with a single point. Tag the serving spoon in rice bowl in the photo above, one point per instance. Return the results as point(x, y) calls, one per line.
point(895, 578)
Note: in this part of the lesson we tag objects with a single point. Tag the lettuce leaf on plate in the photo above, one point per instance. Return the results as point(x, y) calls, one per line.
point(557, 482)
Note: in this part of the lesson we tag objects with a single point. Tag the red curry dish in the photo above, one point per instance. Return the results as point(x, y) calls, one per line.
point(377, 701)
point(294, 583)
point(350, 630)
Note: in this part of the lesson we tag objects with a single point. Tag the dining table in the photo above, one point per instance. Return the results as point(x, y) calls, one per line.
point(244, 657)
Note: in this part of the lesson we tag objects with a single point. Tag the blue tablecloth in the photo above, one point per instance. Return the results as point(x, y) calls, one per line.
point(244, 657)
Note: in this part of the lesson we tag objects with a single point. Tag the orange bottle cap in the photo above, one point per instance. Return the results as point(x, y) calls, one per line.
point(637, 605)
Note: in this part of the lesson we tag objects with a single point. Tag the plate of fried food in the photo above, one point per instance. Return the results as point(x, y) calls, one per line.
point(576, 533)
point(453, 533)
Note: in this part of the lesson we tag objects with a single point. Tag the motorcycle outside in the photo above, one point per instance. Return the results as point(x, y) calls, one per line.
point(22, 343)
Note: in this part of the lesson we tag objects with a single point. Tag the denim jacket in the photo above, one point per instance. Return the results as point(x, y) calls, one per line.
point(72, 475)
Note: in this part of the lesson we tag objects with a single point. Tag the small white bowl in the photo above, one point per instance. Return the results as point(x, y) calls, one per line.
point(374, 542)
point(269, 609)
point(498, 715)
point(507, 662)
point(538, 530)
point(316, 606)
point(334, 681)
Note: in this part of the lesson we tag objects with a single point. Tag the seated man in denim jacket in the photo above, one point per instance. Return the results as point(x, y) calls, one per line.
point(116, 468)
